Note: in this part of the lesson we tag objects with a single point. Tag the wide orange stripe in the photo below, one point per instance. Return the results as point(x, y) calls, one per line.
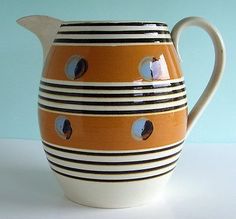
point(109, 63)
point(114, 133)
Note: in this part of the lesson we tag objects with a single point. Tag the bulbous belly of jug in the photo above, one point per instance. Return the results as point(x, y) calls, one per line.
point(112, 121)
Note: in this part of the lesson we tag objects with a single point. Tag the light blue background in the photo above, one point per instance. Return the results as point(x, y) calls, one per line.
point(21, 58)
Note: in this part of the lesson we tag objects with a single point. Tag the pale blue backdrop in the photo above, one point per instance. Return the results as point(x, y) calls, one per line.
point(21, 58)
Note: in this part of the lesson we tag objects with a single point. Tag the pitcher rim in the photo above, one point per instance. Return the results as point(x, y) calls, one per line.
point(114, 23)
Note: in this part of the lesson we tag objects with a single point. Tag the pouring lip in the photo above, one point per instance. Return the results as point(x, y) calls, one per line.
point(114, 23)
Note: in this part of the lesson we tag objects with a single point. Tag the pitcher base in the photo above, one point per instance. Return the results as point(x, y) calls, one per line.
point(113, 194)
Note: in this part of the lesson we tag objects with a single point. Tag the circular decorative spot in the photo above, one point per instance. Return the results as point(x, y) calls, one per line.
point(63, 127)
point(76, 67)
point(142, 129)
point(154, 68)
point(145, 68)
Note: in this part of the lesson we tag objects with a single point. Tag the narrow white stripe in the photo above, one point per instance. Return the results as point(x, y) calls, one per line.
point(122, 158)
point(115, 22)
point(111, 44)
point(113, 36)
point(114, 177)
point(92, 91)
point(114, 108)
point(117, 99)
point(121, 115)
point(110, 84)
point(112, 28)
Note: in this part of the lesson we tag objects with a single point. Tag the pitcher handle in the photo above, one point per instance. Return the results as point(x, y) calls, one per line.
point(217, 72)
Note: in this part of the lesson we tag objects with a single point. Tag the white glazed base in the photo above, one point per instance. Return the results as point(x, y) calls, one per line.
point(113, 195)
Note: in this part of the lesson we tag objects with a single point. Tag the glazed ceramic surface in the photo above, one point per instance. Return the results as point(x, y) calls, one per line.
point(112, 110)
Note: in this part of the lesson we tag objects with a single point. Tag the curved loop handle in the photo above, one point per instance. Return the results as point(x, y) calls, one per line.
point(217, 73)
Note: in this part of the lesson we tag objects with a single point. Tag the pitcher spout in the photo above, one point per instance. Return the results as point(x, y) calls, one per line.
point(44, 27)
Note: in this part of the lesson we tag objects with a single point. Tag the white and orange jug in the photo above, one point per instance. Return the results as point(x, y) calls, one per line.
point(112, 105)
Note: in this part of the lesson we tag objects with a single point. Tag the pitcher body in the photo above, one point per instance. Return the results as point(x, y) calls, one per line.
point(112, 111)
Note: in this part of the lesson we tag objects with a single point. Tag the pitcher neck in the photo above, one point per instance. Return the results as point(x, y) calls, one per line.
point(112, 33)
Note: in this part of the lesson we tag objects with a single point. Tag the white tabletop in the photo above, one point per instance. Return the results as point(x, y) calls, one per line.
point(202, 186)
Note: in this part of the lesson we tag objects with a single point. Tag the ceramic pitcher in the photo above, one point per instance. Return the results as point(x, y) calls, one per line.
point(112, 106)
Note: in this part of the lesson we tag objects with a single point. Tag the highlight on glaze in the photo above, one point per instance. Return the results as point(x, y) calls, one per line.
point(154, 68)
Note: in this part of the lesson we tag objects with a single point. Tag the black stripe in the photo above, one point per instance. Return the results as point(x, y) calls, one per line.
point(135, 87)
point(129, 103)
point(111, 172)
point(112, 163)
point(111, 112)
point(121, 40)
point(113, 24)
point(113, 180)
point(112, 153)
point(72, 94)
point(114, 32)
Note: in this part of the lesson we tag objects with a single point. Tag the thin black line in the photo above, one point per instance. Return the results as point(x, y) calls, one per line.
point(112, 163)
point(112, 172)
point(106, 95)
point(112, 180)
point(121, 40)
point(114, 32)
point(111, 112)
point(129, 103)
point(112, 153)
point(134, 87)
point(113, 24)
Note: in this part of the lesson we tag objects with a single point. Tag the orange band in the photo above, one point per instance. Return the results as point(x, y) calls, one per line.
point(109, 63)
point(114, 133)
